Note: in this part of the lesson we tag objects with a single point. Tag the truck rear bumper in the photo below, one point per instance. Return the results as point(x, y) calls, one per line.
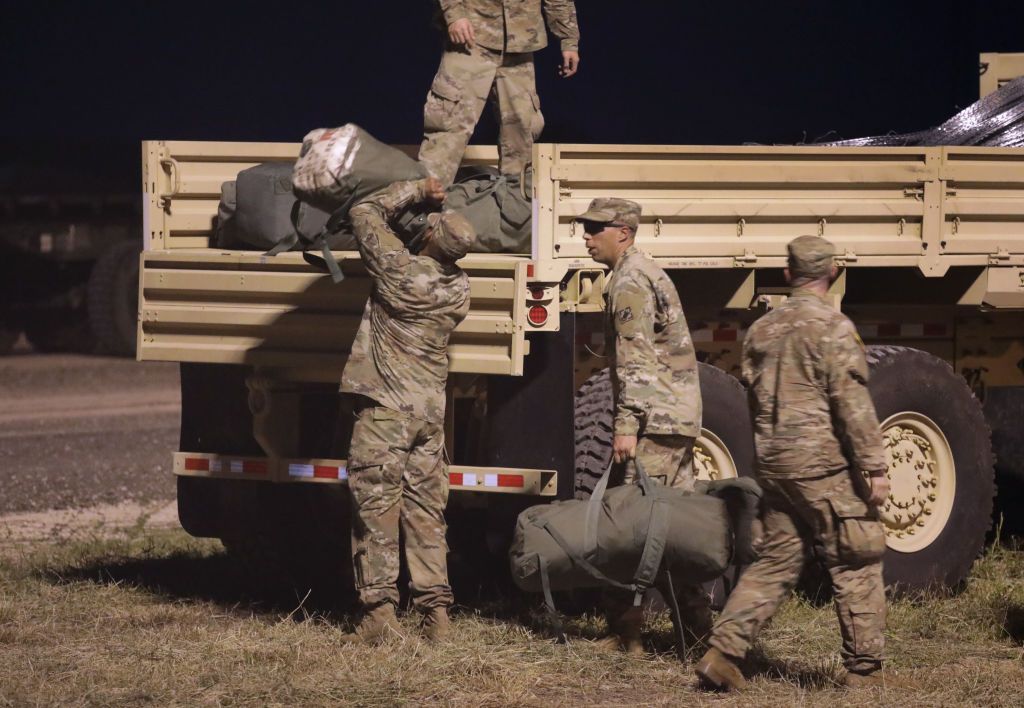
point(461, 478)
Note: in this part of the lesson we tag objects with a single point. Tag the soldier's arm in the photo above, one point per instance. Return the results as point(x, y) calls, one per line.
point(846, 370)
point(453, 10)
point(370, 223)
point(561, 17)
point(635, 358)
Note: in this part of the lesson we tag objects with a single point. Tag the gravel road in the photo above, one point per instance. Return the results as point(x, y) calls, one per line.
point(77, 431)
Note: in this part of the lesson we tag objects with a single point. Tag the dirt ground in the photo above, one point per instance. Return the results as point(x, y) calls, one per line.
point(77, 431)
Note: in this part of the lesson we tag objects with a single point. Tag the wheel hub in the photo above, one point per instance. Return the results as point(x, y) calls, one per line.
point(922, 476)
point(711, 458)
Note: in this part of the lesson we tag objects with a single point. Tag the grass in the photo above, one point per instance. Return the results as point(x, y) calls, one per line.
point(155, 617)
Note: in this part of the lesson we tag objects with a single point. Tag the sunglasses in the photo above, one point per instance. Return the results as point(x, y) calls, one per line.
point(595, 227)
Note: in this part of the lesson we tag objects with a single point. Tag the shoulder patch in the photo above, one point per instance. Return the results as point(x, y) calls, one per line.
point(625, 314)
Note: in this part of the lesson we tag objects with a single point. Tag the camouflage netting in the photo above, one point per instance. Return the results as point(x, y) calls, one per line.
point(997, 120)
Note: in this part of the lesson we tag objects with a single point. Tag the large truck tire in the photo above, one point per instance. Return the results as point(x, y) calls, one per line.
point(725, 448)
point(64, 329)
point(940, 468)
point(287, 539)
point(8, 338)
point(112, 298)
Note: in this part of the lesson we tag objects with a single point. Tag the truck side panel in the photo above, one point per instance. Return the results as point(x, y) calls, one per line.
point(207, 305)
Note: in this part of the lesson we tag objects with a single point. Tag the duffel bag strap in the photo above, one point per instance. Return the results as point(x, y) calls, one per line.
point(581, 562)
point(677, 617)
point(654, 548)
point(641, 476)
point(654, 544)
point(594, 513)
point(325, 261)
point(657, 536)
point(293, 238)
point(549, 600)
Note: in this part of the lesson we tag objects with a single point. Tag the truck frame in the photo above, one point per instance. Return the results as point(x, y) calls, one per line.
point(931, 246)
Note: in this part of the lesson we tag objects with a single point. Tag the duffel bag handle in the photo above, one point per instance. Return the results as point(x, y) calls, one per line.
point(594, 512)
point(594, 506)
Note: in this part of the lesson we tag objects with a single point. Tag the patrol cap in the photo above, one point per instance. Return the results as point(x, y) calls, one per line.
point(810, 257)
point(453, 233)
point(604, 210)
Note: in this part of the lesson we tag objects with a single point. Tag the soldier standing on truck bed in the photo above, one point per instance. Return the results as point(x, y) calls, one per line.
point(816, 431)
point(488, 52)
point(657, 390)
point(398, 370)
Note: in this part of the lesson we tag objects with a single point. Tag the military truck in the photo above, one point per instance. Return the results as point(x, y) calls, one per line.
point(931, 249)
point(69, 266)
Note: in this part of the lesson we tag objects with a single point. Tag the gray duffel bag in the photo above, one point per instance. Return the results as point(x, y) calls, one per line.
point(628, 536)
point(258, 211)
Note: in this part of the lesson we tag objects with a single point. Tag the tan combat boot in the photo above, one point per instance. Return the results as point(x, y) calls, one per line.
point(716, 670)
point(876, 679)
point(435, 625)
point(379, 624)
point(624, 633)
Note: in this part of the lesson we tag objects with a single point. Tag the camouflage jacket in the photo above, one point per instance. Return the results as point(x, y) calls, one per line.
point(807, 377)
point(654, 366)
point(516, 25)
point(400, 354)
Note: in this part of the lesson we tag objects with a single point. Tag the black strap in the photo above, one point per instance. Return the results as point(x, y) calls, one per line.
point(332, 264)
point(325, 262)
point(677, 617)
point(549, 601)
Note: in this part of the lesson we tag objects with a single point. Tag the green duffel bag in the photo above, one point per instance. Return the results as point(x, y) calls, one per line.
point(498, 206)
point(625, 537)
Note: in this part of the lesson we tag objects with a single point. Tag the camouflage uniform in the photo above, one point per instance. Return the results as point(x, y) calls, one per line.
point(399, 367)
point(499, 66)
point(805, 367)
point(654, 374)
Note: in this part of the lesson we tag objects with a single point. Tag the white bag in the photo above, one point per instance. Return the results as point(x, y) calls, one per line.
point(338, 167)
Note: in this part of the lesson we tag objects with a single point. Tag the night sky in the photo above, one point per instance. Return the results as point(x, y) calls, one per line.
point(85, 81)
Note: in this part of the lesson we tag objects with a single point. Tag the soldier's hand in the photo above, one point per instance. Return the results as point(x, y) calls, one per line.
point(570, 64)
point(879, 490)
point(433, 191)
point(461, 32)
point(624, 447)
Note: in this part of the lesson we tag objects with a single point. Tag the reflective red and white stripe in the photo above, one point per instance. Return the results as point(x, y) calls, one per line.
point(333, 471)
point(486, 479)
point(309, 471)
point(219, 465)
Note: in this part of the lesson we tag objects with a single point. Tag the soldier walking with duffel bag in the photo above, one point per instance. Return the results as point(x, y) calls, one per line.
point(657, 391)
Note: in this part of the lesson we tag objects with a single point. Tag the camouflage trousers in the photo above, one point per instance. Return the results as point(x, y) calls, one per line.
point(802, 516)
point(667, 459)
point(464, 82)
point(399, 482)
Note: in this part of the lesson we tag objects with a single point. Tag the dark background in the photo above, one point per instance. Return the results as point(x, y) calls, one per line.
point(84, 82)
